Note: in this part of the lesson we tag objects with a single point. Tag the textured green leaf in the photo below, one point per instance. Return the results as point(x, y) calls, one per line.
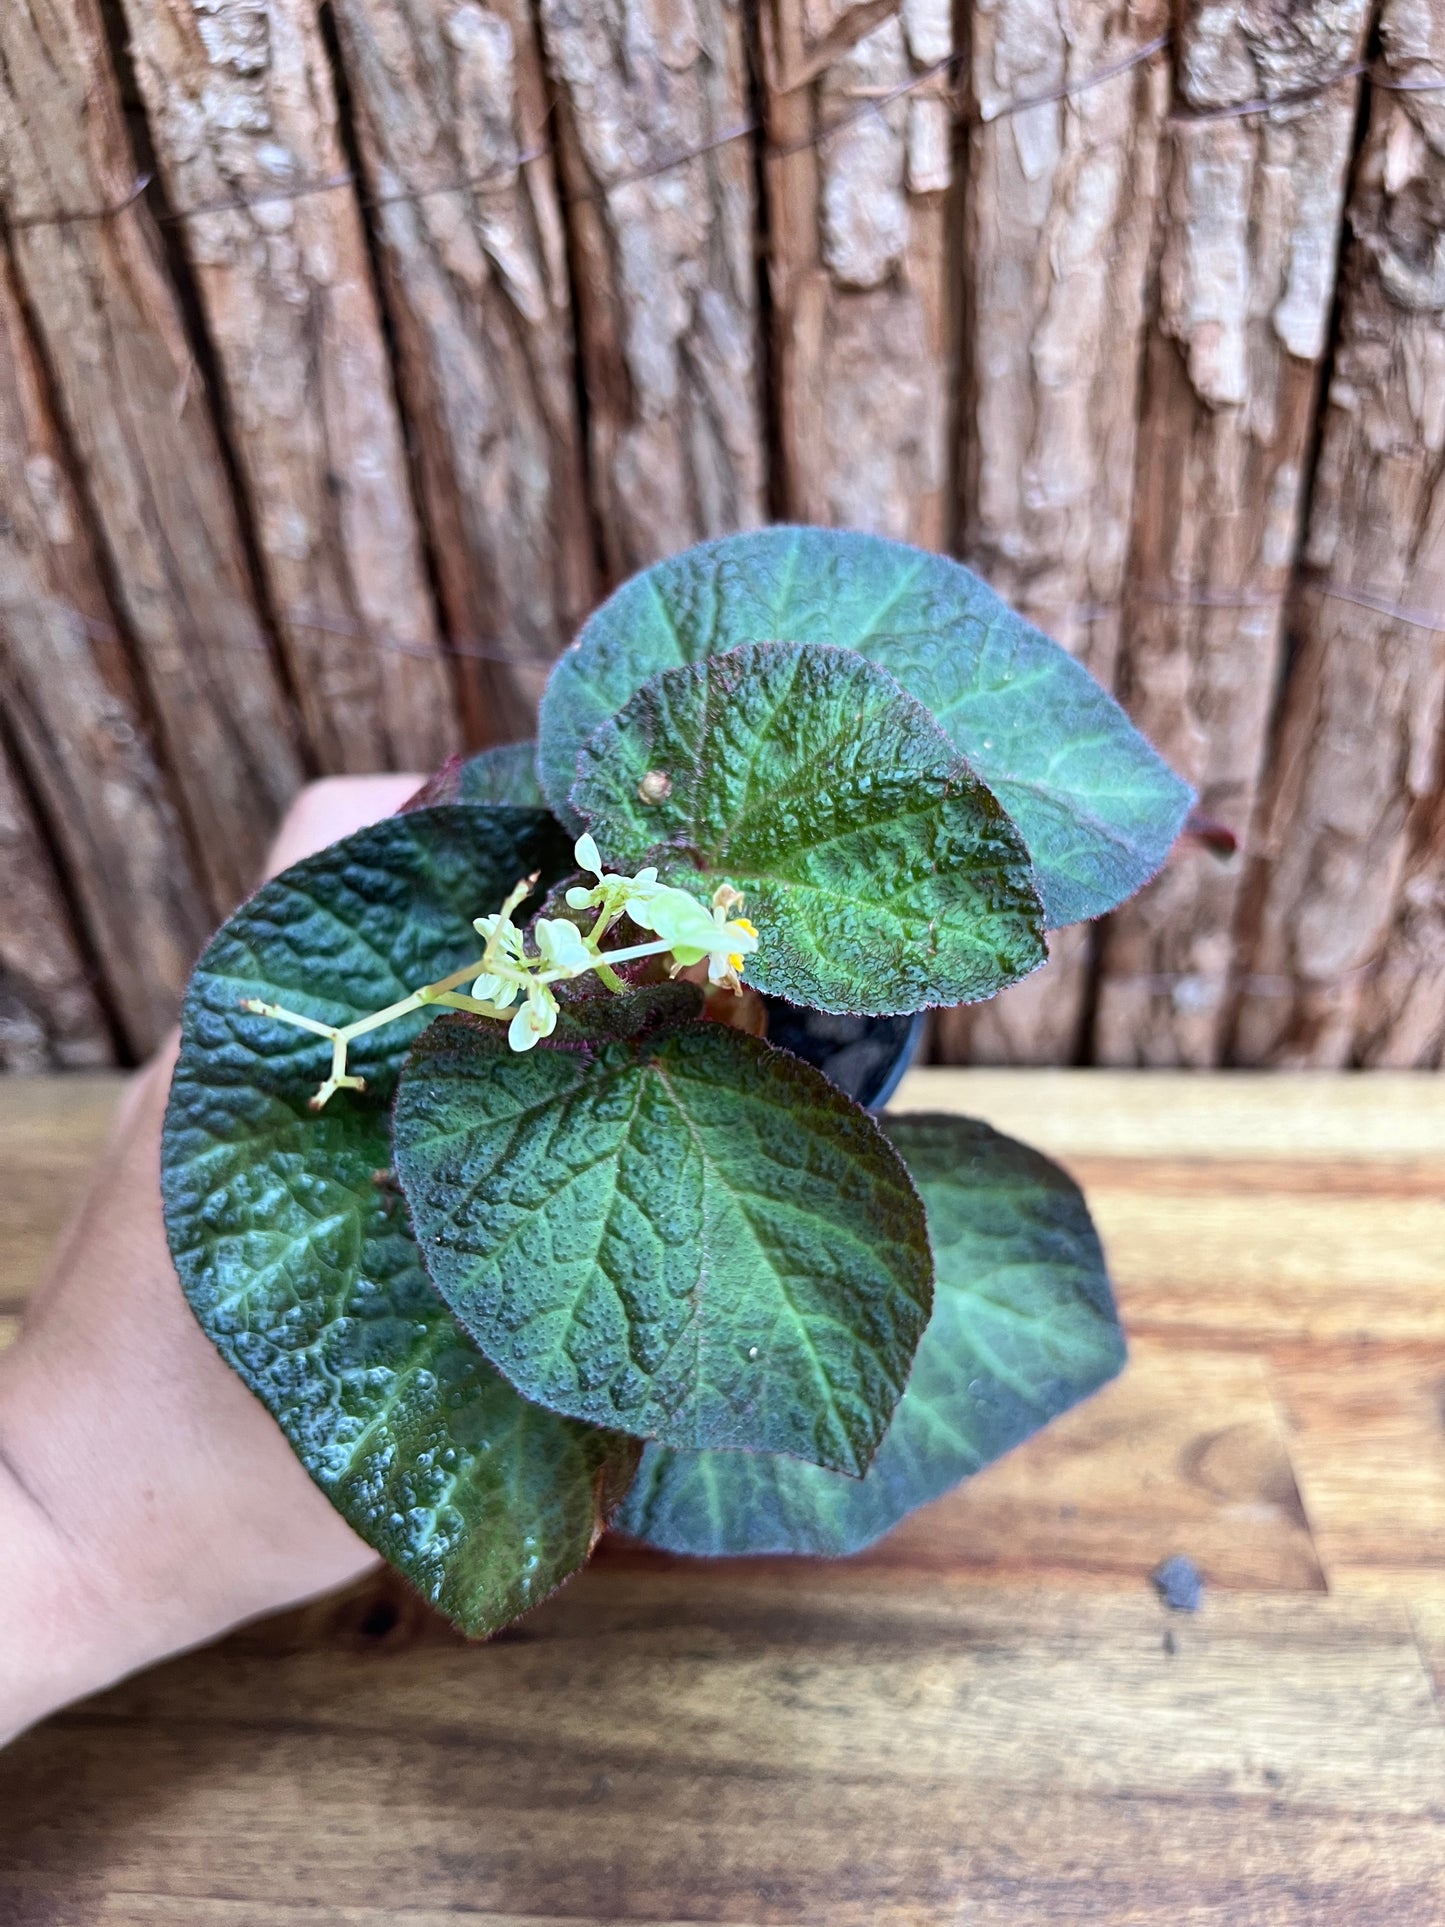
point(507, 774)
point(685, 1235)
point(1093, 802)
point(882, 875)
point(291, 1238)
point(1023, 1327)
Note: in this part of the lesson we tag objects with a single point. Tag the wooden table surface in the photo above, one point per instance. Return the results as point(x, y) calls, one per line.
point(988, 1720)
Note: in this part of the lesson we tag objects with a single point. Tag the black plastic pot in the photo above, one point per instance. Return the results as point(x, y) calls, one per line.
point(864, 1056)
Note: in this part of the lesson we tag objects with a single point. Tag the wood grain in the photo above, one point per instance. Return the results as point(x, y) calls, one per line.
point(1250, 209)
point(136, 413)
point(1058, 213)
point(664, 266)
point(51, 1132)
point(77, 717)
point(1402, 1005)
point(766, 1751)
point(240, 106)
point(478, 294)
point(1357, 765)
point(988, 1718)
point(1128, 1478)
point(858, 205)
point(50, 1016)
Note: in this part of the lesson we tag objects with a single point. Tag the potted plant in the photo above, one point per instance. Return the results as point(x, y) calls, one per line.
point(483, 1170)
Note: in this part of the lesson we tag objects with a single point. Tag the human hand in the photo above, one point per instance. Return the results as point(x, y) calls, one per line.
point(147, 1501)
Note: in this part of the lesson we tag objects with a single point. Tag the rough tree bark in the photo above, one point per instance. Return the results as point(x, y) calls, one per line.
point(136, 413)
point(74, 715)
point(241, 104)
point(49, 1016)
point(476, 280)
point(1401, 1023)
point(1358, 760)
point(664, 265)
point(858, 261)
point(1058, 208)
point(1250, 220)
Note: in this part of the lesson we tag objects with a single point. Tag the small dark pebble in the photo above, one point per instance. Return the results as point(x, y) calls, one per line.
point(1170, 1645)
point(1179, 1583)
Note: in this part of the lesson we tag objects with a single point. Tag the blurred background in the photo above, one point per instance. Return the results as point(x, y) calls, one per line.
point(350, 352)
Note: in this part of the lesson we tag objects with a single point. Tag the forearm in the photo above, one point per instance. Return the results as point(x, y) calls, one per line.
point(95, 1581)
point(44, 1660)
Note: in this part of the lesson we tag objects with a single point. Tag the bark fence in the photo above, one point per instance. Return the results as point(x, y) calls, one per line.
point(350, 352)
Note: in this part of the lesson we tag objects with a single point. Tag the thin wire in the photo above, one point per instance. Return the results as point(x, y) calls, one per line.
point(1264, 104)
point(743, 130)
point(1301, 96)
point(475, 648)
point(968, 110)
point(1415, 618)
point(1070, 88)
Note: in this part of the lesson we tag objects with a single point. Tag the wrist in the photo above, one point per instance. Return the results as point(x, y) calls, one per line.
point(54, 1644)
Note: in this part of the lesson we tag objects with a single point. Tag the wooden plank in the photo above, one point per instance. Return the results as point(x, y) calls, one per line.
point(50, 1017)
point(1058, 203)
point(683, 1748)
point(51, 1132)
point(135, 411)
point(664, 266)
point(1369, 1451)
point(1265, 1269)
point(1427, 1616)
point(1250, 217)
point(1402, 1005)
point(1358, 752)
point(989, 1716)
point(858, 263)
point(149, 1910)
point(76, 715)
point(1269, 1117)
point(477, 290)
point(241, 105)
point(1186, 1453)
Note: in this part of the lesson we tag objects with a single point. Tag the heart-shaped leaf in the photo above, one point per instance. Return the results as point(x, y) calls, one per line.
point(685, 1234)
point(882, 875)
point(1023, 1327)
point(291, 1238)
point(1093, 802)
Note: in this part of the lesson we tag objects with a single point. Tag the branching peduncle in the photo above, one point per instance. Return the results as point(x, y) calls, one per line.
point(505, 972)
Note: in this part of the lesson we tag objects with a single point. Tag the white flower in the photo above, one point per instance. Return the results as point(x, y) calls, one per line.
point(682, 925)
point(494, 990)
point(616, 893)
point(536, 1018)
point(693, 932)
point(502, 935)
point(562, 946)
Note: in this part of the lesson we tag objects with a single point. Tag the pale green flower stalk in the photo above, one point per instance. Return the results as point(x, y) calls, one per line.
point(505, 973)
